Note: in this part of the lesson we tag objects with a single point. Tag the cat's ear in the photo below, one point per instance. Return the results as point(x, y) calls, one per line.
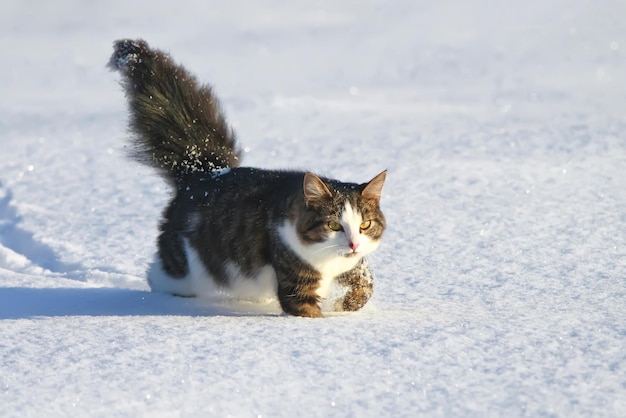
point(314, 188)
point(374, 188)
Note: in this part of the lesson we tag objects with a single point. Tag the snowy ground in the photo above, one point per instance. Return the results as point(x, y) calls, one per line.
point(501, 282)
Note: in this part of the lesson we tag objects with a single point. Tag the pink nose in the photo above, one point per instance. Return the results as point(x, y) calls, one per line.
point(354, 246)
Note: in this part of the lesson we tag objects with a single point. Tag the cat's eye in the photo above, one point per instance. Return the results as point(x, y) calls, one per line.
point(365, 225)
point(334, 226)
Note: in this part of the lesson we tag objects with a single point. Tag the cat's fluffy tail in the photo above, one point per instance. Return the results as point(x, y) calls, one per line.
point(177, 122)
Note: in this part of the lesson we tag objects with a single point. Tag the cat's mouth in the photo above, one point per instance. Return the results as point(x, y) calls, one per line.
point(351, 254)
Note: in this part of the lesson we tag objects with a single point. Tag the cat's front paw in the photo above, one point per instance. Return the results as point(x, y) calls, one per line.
point(359, 285)
point(305, 308)
point(356, 299)
point(308, 311)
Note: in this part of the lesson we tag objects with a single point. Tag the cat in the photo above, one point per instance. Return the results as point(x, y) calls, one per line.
point(287, 234)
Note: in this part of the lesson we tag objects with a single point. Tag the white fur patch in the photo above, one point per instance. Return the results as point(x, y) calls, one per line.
point(198, 281)
point(260, 288)
point(335, 293)
point(351, 221)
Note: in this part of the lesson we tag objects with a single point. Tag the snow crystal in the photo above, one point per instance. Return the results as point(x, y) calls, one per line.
point(220, 172)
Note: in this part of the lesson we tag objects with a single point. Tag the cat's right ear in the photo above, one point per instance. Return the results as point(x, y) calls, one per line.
point(314, 189)
point(374, 188)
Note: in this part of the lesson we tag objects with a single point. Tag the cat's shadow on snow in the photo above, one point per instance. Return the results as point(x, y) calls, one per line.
point(24, 303)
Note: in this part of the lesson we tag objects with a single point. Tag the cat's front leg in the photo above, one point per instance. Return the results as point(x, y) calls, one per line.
point(298, 295)
point(359, 283)
point(297, 283)
point(299, 306)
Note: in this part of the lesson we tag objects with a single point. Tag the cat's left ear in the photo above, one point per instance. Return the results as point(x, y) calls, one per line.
point(374, 188)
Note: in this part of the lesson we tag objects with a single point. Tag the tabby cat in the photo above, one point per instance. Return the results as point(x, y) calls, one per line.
point(246, 231)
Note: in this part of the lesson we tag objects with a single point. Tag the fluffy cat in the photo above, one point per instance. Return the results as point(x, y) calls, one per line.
point(248, 231)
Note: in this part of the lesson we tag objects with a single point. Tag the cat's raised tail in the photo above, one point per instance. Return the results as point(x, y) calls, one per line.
point(177, 123)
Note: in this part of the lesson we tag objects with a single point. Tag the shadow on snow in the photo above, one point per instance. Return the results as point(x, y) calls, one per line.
point(24, 303)
point(23, 242)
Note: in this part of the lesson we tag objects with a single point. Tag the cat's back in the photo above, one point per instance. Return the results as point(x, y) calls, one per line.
point(240, 192)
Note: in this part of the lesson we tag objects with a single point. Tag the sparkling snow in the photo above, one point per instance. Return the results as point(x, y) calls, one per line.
point(501, 280)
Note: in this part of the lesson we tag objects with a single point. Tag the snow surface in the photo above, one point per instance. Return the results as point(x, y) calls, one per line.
point(501, 281)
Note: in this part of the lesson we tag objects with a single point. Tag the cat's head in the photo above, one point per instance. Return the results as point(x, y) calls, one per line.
point(340, 220)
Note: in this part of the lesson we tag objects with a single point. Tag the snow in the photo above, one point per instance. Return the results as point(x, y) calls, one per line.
point(501, 280)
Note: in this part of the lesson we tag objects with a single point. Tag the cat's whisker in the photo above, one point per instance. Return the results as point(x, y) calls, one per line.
point(326, 248)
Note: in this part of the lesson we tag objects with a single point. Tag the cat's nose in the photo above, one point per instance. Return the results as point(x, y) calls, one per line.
point(354, 245)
